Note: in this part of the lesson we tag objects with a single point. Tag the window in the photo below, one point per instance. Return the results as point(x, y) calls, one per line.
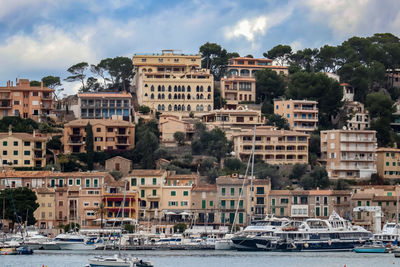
point(203, 204)
point(27, 162)
point(387, 163)
point(273, 202)
point(317, 211)
point(27, 152)
point(223, 191)
point(211, 203)
point(173, 193)
point(5, 152)
point(223, 203)
point(325, 211)
point(142, 181)
point(60, 203)
point(98, 130)
point(133, 182)
point(154, 192)
point(96, 182)
point(284, 200)
point(232, 203)
point(78, 181)
point(232, 191)
point(4, 143)
point(184, 203)
point(87, 182)
point(185, 193)
point(15, 143)
point(27, 143)
point(70, 182)
point(142, 193)
point(241, 203)
point(154, 181)
point(359, 203)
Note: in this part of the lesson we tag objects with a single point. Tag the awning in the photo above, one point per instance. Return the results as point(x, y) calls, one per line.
point(114, 199)
point(170, 213)
point(99, 220)
point(184, 213)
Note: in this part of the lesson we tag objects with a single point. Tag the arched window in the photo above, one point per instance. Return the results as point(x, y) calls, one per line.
point(209, 96)
point(175, 88)
point(188, 88)
point(197, 96)
point(179, 96)
point(175, 97)
point(244, 72)
point(159, 107)
point(197, 108)
point(169, 96)
point(201, 96)
point(169, 88)
point(152, 96)
point(188, 108)
point(163, 88)
point(253, 73)
point(209, 89)
point(169, 108)
point(183, 107)
point(188, 96)
point(163, 107)
point(201, 108)
point(144, 70)
point(209, 107)
point(183, 88)
point(146, 85)
point(179, 107)
point(201, 88)
point(159, 96)
point(152, 88)
point(159, 88)
point(197, 88)
point(145, 94)
point(175, 107)
point(183, 96)
point(179, 88)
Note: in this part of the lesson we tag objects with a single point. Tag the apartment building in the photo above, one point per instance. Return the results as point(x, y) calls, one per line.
point(273, 146)
point(388, 162)
point(22, 149)
point(105, 105)
point(302, 115)
point(233, 120)
point(239, 85)
point(359, 116)
point(26, 101)
point(107, 135)
point(45, 214)
point(148, 184)
point(235, 196)
point(349, 154)
point(170, 124)
point(173, 83)
point(204, 207)
point(177, 196)
point(303, 204)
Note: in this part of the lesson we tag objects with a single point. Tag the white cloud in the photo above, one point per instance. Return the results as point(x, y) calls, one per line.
point(296, 45)
point(258, 26)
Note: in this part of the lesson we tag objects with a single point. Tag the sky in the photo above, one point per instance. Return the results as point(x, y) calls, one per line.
point(45, 37)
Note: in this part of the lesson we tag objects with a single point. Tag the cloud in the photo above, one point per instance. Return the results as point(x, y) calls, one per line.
point(353, 17)
point(258, 26)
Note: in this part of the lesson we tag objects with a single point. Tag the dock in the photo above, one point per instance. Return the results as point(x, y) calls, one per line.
point(160, 247)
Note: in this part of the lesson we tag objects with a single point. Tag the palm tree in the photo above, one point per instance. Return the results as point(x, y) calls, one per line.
point(101, 210)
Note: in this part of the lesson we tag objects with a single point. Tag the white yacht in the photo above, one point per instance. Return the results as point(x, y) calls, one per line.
point(119, 261)
point(72, 241)
point(389, 234)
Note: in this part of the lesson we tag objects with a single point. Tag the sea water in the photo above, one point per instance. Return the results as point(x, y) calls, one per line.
point(207, 258)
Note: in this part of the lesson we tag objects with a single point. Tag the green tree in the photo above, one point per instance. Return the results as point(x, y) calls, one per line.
point(314, 148)
point(145, 147)
point(77, 72)
point(269, 85)
point(101, 211)
point(20, 204)
point(327, 59)
point(305, 58)
point(180, 227)
point(144, 109)
point(319, 87)
point(298, 170)
point(53, 82)
point(72, 227)
point(280, 53)
point(179, 138)
point(233, 164)
point(317, 178)
point(35, 83)
point(54, 143)
point(89, 145)
point(215, 143)
point(277, 121)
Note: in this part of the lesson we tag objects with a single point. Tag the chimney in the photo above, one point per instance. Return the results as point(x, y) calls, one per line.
point(10, 130)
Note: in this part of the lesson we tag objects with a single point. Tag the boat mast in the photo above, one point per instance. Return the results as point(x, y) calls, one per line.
point(123, 213)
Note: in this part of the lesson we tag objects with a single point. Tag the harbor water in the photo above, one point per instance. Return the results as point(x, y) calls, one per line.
point(208, 258)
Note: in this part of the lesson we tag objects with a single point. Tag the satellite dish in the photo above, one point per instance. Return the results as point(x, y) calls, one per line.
point(344, 128)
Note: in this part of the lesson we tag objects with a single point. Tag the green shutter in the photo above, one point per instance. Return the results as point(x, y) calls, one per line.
point(133, 182)
point(142, 181)
point(87, 183)
point(325, 211)
point(154, 192)
point(232, 191)
point(185, 193)
point(241, 203)
point(142, 193)
point(232, 203)
point(154, 181)
point(240, 217)
point(223, 203)
point(317, 211)
point(211, 203)
point(273, 202)
point(223, 191)
point(203, 204)
point(222, 217)
point(231, 217)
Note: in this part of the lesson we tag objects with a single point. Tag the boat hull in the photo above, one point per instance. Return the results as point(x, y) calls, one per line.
point(369, 250)
point(223, 245)
point(74, 246)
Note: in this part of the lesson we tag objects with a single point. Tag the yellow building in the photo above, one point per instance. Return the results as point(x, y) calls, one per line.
point(233, 120)
point(173, 83)
point(170, 124)
point(302, 115)
point(388, 162)
point(239, 85)
point(107, 135)
point(26, 101)
point(22, 150)
point(272, 146)
point(45, 214)
point(349, 154)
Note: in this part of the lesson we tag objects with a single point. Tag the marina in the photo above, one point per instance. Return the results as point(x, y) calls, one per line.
point(208, 258)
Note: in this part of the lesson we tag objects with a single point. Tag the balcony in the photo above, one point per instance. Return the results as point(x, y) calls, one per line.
point(358, 158)
point(46, 97)
point(359, 140)
point(46, 106)
point(152, 196)
point(75, 142)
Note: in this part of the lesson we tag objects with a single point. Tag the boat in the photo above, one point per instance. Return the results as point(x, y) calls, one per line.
point(119, 261)
point(390, 233)
point(72, 241)
point(224, 243)
point(8, 251)
point(374, 247)
point(24, 250)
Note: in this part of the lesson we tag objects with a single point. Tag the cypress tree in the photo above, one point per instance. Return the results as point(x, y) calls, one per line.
point(89, 146)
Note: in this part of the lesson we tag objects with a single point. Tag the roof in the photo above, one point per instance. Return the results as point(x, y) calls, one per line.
point(23, 136)
point(385, 198)
point(233, 111)
point(105, 94)
point(44, 174)
point(44, 190)
point(118, 157)
point(270, 132)
point(349, 131)
point(279, 192)
point(320, 192)
point(297, 101)
point(387, 149)
point(205, 188)
point(345, 84)
point(105, 122)
point(182, 176)
point(141, 172)
point(360, 196)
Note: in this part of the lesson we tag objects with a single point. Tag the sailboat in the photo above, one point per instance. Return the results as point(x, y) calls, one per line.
point(118, 259)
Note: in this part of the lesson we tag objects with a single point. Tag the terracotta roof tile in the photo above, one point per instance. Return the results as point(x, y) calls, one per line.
point(140, 172)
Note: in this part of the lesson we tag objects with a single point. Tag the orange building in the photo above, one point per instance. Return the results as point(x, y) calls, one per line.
point(107, 135)
point(26, 101)
point(239, 85)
